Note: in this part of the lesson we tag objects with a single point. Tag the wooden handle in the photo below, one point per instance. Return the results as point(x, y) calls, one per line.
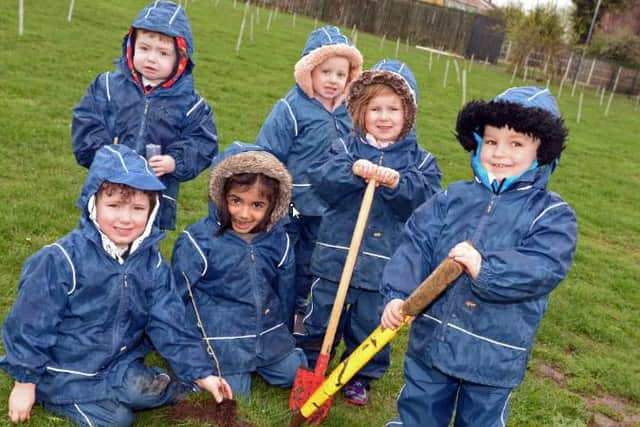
point(349, 264)
point(432, 287)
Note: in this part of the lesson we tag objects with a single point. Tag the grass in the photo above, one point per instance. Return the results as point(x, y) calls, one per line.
point(591, 332)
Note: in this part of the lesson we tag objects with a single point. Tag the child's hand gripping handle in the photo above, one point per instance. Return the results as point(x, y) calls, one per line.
point(445, 274)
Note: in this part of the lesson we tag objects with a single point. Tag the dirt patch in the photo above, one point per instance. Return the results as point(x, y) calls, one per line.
point(224, 414)
point(553, 373)
point(626, 413)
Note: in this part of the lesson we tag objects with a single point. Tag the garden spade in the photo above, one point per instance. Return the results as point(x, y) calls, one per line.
point(447, 272)
point(306, 382)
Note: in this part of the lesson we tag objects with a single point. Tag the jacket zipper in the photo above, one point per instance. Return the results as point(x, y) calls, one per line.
point(143, 122)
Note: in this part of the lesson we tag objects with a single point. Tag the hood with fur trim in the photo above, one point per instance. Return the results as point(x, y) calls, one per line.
point(249, 158)
point(529, 110)
point(398, 76)
point(323, 43)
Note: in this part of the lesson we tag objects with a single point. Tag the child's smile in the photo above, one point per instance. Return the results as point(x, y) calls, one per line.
point(247, 207)
point(384, 119)
point(507, 153)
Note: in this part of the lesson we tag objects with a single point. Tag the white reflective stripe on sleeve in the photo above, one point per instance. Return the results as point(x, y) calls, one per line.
point(191, 110)
point(286, 251)
point(544, 212)
point(83, 415)
point(73, 269)
point(293, 117)
point(106, 78)
point(68, 371)
point(204, 259)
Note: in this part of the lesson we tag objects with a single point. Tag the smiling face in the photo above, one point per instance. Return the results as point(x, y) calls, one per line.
point(384, 117)
point(507, 153)
point(329, 80)
point(122, 215)
point(248, 207)
point(154, 56)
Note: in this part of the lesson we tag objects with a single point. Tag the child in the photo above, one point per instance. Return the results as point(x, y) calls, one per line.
point(516, 240)
point(301, 128)
point(150, 99)
point(382, 103)
point(76, 335)
point(236, 269)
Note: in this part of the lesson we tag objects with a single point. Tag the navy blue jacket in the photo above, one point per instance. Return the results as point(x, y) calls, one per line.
point(244, 291)
point(177, 117)
point(342, 191)
point(81, 317)
point(482, 330)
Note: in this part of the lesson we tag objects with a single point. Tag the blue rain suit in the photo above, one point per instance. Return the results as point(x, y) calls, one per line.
point(243, 291)
point(83, 321)
point(299, 131)
point(177, 118)
point(476, 338)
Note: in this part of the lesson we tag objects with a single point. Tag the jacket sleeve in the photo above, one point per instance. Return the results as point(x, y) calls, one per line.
point(418, 182)
point(334, 179)
point(188, 264)
point(285, 282)
point(412, 261)
point(279, 131)
point(537, 265)
point(177, 342)
point(89, 130)
point(198, 143)
point(30, 329)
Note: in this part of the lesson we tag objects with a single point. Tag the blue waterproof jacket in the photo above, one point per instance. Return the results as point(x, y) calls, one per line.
point(244, 292)
point(482, 330)
point(342, 191)
point(300, 130)
point(81, 317)
point(175, 117)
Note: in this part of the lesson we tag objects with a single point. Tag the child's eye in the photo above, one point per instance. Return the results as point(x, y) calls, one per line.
point(342, 75)
point(490, 142)
point(516, 144)
point(259, 205)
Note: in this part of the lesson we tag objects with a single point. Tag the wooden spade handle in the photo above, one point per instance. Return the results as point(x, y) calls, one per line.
point(349, 264)
point(432, 286)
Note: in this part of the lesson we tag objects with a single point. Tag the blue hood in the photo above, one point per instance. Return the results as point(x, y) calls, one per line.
point(402, 69)
point(166, 18)
point(120, 165)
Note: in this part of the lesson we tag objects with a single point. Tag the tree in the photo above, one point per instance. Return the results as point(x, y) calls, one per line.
point(583, 14)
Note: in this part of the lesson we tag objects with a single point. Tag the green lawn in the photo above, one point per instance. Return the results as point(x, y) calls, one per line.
point(586, 357)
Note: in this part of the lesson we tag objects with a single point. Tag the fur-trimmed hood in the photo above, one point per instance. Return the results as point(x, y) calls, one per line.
point(240, 157)
point(529, 110)
point(322, 44)
point(398, 76)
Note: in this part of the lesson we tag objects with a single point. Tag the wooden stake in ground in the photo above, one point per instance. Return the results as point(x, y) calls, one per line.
point(354, 39)
point(471, 63)
point(548, 83)
point(526, 72)
point(613, 92)
point(573, 89)
point(384, 36)
point(397, 47)
point(602, 94)
point(486, 62)
point(515, 71)
point(566, 73)
point(20, 17)
point(293, 20)
point(70, 14)
point(251, 39)
point(315, 22)
point(269, 20)
point(242, 24)
point(446, 74)
point(635, 108)
point(464, 87)
point(593, 64)
point(580, 106)
point(455, 63)
point(430, 60)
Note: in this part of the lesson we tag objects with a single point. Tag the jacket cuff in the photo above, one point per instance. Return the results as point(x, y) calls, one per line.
point(20, 374)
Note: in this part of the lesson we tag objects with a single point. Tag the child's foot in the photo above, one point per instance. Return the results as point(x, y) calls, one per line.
point(356, 393)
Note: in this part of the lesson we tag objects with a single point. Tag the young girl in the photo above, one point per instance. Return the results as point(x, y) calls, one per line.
point(235, 269)
point(301, 128)
point(382, 103)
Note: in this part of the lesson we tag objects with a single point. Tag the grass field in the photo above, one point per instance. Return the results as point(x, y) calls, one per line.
point(585, 362)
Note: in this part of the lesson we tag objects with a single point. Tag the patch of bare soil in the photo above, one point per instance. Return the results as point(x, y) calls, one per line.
point(553, 373)
point(628, 414)
point(224, 414)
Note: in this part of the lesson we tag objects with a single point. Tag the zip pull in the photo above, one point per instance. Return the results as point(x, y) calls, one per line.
point(126, 285)
point(253, 256)
point(491, 204)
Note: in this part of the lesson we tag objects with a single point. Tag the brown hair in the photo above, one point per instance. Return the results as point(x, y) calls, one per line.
point(359, 105)
point(126, 192)
point(267, 186)
point(160, 36)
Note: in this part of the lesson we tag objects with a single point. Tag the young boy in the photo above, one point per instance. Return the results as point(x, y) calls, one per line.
point(87, 305)
point(150, 99)
point(516, 240)
point(301, 128)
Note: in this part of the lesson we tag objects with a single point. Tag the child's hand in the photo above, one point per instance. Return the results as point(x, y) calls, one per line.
point(364, 169)
point(387, 177)
point(217, 386)
point(392, 317)
point(468, 256)
point(21, 400)
point(162, 164)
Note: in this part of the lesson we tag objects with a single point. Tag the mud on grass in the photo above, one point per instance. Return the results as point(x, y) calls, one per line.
point(224, 414)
